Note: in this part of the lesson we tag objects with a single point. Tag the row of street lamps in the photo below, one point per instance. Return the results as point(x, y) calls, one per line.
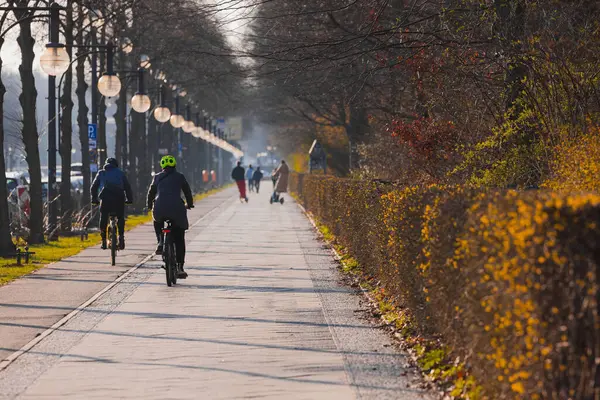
point(55, 61)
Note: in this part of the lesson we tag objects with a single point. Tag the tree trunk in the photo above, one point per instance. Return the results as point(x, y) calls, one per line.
point(6, 244)
point(28, 99)
point(511, 29)
point(82, 114)
point(356, 131)
point(121, 121)
point(66, 206)
point(134, 149)
point(102, 148)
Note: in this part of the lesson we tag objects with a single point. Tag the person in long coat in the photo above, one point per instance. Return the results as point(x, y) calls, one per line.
point(282, 173)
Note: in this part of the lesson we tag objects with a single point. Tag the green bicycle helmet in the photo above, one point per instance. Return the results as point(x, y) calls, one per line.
point(168, 161)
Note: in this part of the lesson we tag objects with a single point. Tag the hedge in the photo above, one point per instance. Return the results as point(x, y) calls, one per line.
point(508, 279)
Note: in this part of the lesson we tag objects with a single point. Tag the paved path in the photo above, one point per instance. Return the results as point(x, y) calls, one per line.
point(30, 305)
point(262, 315)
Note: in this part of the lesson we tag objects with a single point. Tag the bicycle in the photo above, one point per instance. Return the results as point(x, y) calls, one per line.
point(112, 229)
point(112, 234)
point(171, 267)
point(168, 255)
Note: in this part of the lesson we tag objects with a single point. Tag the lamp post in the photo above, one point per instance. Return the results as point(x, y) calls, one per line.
point(141, 102)
point(162, 112)
point(54, 61)
point(109, 85)
point(177, 122)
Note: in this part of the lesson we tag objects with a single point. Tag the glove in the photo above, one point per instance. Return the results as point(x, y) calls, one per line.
point(95, 202)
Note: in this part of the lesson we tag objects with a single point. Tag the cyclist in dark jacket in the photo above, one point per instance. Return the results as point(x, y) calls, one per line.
point(164, 199)
point(115, 191)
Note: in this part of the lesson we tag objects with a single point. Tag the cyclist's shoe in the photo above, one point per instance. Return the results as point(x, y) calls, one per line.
point(181, 274)
point(103, 246)
point(159, 249)
point(121, 243)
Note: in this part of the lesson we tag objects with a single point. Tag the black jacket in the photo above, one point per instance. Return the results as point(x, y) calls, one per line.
point(258, 175)
point(238, 174)
point(164, 197)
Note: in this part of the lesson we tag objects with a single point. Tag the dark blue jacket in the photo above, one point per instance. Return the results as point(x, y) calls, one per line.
point(113, 185)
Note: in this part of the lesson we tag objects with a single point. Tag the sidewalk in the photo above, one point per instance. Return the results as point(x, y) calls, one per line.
point(25, 309)
point(262, 315)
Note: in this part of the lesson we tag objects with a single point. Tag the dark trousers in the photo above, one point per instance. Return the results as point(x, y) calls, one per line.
point(178, 236)
point(116, 207)
point(250, 185)
point(257, 185)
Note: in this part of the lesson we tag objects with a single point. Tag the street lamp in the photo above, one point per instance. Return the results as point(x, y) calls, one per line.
point(109, 84)
point(55, 59)
point(177, 119)
point(96, 18)
point(145, 61)
point(162, 112)
point(188, 125)
point(126, 45)
point(141, 102)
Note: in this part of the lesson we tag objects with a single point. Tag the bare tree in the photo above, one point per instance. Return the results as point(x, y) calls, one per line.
point(30, 132)
point(6, 244)
point(66, 133)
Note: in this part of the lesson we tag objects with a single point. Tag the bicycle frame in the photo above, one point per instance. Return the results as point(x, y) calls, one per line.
point(169, 255)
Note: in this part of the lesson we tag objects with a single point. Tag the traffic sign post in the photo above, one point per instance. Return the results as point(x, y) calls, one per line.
point(93, 145)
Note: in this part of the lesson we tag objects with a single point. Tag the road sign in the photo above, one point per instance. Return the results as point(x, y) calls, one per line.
point(92, 132)
point(234, 129)
point(221, 124)
point(163, 152)
point(93, 168)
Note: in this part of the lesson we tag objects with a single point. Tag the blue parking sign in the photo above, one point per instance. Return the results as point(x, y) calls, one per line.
point(92, 131)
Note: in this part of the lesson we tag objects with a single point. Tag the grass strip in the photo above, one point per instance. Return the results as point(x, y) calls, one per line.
point(65, 247)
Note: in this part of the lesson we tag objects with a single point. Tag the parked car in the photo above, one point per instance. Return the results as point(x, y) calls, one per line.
point(17, 183)
point(76, 190)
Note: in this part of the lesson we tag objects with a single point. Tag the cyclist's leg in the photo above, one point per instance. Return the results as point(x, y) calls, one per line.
point(103, 224)
point(179, 239)
point(120, 211)
point(158, 227)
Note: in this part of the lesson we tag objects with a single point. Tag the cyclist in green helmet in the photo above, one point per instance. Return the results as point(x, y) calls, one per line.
point(164, 199)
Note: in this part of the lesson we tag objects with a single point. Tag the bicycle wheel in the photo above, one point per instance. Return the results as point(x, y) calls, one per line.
point(167, 258)
point(173, 263)
point(113, 243)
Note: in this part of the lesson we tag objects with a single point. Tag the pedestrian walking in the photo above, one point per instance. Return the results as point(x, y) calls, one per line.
point(257, 177)
point(282, 174)
point(239, 177)
point(249, 174)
